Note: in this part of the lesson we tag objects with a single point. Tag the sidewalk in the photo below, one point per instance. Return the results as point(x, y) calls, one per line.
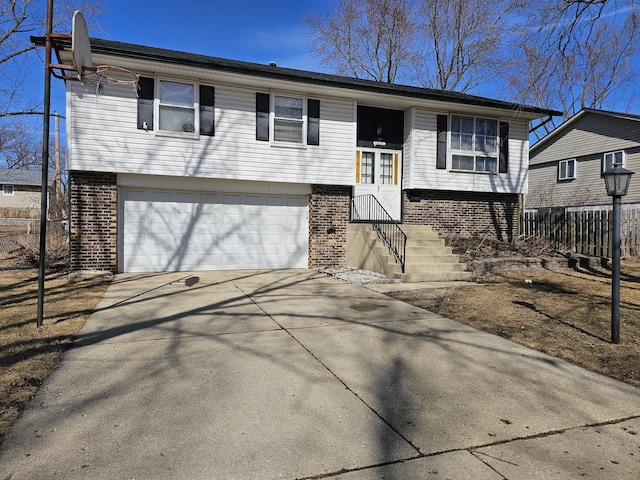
point(291, 374)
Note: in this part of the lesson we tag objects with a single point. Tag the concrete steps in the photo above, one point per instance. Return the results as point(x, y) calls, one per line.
point(428, 259)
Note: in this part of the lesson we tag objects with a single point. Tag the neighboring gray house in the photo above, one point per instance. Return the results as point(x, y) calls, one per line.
point(566, 165)
point(21, 195)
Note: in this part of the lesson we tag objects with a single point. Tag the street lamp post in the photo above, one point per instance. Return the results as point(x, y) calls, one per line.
point(616, 180)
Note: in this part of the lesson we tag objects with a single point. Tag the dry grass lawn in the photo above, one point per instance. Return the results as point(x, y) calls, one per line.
point(564, 312)
point(28, 354)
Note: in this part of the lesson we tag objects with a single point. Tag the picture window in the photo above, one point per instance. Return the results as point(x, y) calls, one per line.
point(474, 144)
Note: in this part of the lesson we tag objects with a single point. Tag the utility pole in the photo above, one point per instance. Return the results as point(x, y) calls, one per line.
point(58, 183)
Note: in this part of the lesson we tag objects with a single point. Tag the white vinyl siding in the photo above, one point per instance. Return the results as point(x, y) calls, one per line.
point(421, 157)
point(102, 136)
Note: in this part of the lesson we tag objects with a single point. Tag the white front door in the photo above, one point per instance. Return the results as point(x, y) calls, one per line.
point(378, 173)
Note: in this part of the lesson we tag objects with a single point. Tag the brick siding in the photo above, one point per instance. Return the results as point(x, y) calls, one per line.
point(464, 214)
point(93, 222)
point(328, 218)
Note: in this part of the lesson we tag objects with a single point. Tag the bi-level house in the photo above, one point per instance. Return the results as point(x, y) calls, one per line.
point(221, 164)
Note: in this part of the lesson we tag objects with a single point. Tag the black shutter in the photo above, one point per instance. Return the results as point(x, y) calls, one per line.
point(441, 151)
point(503, 161)
point(145, 103)
point(262, 116)
point(313, 122)
point(207, 110)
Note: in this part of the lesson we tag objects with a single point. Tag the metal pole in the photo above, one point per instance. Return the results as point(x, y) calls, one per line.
point(615, 272)
point(58, 182)
point(45, 165)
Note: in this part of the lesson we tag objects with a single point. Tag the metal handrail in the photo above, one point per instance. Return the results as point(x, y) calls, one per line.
point(367, 209)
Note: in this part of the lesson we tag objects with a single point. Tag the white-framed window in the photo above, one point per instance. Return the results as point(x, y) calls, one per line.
point(285, 119)
point(288, 119)
point(367, 167)
point(474, 144)
point(567, 169)
point(177, 103)
point(386, 168)
point(7, 190)
point(613, 159)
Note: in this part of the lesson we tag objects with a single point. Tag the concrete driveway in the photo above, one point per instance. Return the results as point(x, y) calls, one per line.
point(291, 374)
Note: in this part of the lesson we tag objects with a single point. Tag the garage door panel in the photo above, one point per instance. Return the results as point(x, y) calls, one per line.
point(251, 240)
point(256, 200)
point(231, 199)
point(275, 239)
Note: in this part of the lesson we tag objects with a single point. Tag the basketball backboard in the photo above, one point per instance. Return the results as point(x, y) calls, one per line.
point(80, 44)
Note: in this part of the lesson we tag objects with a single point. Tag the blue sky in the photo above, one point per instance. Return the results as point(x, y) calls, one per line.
point(249, 30)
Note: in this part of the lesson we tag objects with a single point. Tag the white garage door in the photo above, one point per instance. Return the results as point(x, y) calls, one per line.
point(181, 231)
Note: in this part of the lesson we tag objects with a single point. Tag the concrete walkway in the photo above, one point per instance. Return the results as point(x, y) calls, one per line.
point(291, 375)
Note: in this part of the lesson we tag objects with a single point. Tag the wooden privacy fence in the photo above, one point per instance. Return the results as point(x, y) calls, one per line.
point(587, 232)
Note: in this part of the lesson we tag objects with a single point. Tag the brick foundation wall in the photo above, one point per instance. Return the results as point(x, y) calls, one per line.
point(464, 214)
point(93, 221)
point(328, 219)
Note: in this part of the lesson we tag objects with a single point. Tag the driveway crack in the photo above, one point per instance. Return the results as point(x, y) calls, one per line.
point(333, 374)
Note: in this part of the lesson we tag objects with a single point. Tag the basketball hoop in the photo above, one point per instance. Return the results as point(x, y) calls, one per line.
point(110, 74)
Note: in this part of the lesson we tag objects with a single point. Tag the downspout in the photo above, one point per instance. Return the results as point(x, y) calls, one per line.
point(549, 118)
point(522, 196)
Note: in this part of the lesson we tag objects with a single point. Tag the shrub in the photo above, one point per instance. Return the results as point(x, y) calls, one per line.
point(57, 248)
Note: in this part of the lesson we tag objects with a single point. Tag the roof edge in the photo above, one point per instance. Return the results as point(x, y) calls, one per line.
point(141, 52)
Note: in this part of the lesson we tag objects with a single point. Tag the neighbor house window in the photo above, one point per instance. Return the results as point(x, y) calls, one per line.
point(474, 144)
point(7, 189)
point(177, 107)
point(613, 159)
point(567, 169)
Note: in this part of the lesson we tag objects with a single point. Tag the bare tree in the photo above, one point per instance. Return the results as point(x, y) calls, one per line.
point(20, 144)
point(19, 20)
point(364, 38)
point(575, 54)
point(459, 43)
point(563, 54)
